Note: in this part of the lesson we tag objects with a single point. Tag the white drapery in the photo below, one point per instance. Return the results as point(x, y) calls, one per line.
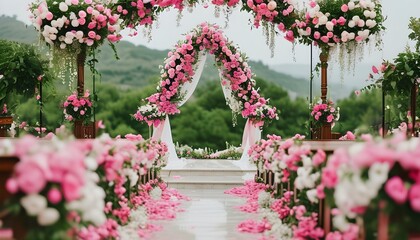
point(163, 131)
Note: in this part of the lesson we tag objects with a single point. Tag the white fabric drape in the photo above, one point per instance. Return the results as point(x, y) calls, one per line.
point(251, 135)
point(163, 131)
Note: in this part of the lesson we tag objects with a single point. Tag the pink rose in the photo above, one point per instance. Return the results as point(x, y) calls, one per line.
point(71, 187)
point(49, 16)
point(54, 196)
point(317, 35)
point(319, 157)
point(375, 70)
point(330, 118)
point(82, 14)
point(329, 177)
point(92, 34)
point(325, 39)
point(396, 190)
point(30, 177)
point(414, 197)
point(344, 8)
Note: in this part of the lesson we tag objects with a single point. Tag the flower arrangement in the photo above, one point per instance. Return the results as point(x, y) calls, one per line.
point(231, 152)
point(383, 178)
point(71, 24)
point(53, 190)
point(322, 113)
point(78, 108)
point(235, 73)
point(339, 22)
point(150, 114)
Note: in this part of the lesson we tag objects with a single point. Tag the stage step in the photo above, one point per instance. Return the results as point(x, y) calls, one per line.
point(209, 174)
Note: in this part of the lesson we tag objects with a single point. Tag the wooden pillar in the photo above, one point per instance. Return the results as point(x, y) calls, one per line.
point(324, 71)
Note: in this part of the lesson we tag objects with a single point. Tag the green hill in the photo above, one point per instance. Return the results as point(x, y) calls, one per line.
point(138, 65)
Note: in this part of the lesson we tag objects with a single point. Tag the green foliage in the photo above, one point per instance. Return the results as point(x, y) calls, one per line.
point(415, 34)
point(21, 66)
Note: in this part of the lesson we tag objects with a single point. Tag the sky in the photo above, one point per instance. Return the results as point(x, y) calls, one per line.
point(251, 40)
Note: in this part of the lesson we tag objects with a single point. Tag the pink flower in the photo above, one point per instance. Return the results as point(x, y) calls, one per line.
point(344, 8)
point(49, 16)
point(82, 112)
point(29, 176)
point(54, 196)
point(414, 197)
point(319, 157)
point(82, 14)
point(396, 190)
point(329, 177)
point(92, 34)
point(357, 92)
point(71, 187)
point(325, 39)
point(317, 35)
point(12, 186)
point(375, 70)
point(330, 118)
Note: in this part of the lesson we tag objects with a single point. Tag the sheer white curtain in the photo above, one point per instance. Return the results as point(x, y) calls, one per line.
point(163, 131)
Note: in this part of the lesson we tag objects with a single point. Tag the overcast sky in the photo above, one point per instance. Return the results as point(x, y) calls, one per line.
point(252, 41)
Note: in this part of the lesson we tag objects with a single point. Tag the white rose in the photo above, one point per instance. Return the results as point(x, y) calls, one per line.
point(370, 23)
point(63, 46)
point(323, 20)
point(351, 5)
point(33, 204)
point(48, 217)
point(366, 13)
point(363, 4)
point(330, 26)
point(340, 222)
point(372, 14)
point(378, 174)
point(356, 18)
point(52, 37)
point(60, 23)
point(352, 24)
point(352, 36)
point(79, 34)
point(68, 2)
point(73, 16)
point(91, 163)
point(371, 5)
point(75, 23)
point(312, 195)
point(63, 7)
point(361, 23)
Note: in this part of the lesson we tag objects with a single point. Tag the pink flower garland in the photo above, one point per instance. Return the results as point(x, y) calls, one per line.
point(179, 69)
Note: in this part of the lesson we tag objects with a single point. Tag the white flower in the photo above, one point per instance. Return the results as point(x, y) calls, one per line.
point(361, 23)
point(370, 23)
point(330, 26)
point(60, 23)
point(91, 163)
point(323, 20)
point(312, 196)
point(48, 217)
point(372, 14)
point(356, 18)
point(68, 2)
point(366, 13)
point(79, 34)
point(63, 46)
point(264, 199)
point(7, 148)
point(146, 1)
point(33, 204)
point(378, 174)
point(355, 149)
point(307, 162)
point(132, 176)
point(95, 216)
point(63, 7)
point(341, 223)
point(70, 41)
point(156, 193)
point(351, 5)
point(351, 37)
point(352, 24)
point(75, 23)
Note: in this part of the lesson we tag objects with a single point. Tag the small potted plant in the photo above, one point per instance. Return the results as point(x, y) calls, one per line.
point(80, 109)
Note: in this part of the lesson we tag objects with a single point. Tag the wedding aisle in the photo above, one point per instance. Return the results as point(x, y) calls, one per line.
point(209, 215)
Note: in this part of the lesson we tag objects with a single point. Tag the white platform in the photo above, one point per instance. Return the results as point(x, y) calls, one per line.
point(208, 174)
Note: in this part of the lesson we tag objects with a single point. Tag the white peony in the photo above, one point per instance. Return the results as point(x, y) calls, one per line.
point(33, 204)
point(48, 217)
point(63, 7)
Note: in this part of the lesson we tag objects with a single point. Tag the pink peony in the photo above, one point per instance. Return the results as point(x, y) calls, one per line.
point(396, 190)
point(414, 197)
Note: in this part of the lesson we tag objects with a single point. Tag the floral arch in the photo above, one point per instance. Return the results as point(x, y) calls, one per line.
point(179, 78)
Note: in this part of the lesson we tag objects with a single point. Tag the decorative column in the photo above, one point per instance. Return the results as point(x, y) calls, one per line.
point(81, 130)
point(324, 132)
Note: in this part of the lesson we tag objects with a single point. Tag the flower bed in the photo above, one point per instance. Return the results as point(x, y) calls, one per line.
point(89, 189)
